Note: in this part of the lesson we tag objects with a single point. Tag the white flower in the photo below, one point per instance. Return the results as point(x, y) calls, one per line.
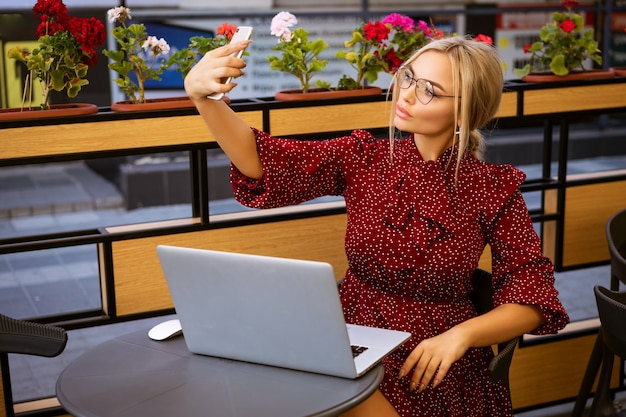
point(118, 14)
point(281, 24)
point(157, 46)
point(286, 36)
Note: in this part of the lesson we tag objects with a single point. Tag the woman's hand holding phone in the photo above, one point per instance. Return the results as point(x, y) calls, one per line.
point(242, 33)
point(212, 76)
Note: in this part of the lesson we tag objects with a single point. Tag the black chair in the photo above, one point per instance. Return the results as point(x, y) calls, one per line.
point(616, 239)
point(482, 298)
point(612, 314)
point(26, 337)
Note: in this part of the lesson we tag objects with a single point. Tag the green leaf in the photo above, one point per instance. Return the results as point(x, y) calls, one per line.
point(323, 84)
point(557, 65)
point(522, 72)
point(58, 82)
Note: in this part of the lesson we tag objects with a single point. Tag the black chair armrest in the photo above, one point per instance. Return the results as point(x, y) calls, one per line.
point(499, 365)
point(21, 336)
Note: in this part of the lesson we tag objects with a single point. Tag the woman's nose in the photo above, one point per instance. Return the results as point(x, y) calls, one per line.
point(407, 94)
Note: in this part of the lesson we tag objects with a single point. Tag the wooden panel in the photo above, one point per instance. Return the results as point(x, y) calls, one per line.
point(46, 406)
point(567, 99)
point(508, 105)
point(66, 139)
point(304, 120)
point(548, 237)
point(485, 259)
point(139, 282)
point(551, 371)
point(587, 209)
point(3, 412)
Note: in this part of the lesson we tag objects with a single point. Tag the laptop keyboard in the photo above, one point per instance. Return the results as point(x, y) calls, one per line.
point(357, 350)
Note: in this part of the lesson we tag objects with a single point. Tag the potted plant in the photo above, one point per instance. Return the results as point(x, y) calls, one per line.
point(299, 56)
point(563, 48)
point(382, 46)
point(140, 57)
point(66, 49)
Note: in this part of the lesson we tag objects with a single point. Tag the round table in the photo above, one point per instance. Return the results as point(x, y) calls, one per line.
point(133, 375)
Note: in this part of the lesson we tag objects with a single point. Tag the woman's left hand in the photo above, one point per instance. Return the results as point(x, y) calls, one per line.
point(432, 358)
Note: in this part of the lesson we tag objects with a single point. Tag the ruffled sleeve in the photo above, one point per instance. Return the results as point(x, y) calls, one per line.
point(521, 273)
point(295, 171)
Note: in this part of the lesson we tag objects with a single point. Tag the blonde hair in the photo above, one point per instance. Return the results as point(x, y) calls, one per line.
point(477, 82)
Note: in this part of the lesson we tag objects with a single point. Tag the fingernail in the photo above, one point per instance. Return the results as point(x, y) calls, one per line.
point(412, 386)
point(401, 374)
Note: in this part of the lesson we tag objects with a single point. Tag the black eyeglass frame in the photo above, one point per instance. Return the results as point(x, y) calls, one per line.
point(415, 82)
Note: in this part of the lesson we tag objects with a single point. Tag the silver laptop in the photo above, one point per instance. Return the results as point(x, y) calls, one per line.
point(271, 311)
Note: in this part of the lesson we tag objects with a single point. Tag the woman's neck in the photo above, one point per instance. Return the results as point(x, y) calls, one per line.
point(431, 148)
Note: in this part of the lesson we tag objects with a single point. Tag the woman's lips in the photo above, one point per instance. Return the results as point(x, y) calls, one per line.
point(401, 113)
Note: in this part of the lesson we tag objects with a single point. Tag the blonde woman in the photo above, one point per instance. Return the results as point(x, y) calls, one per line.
point(421, 208)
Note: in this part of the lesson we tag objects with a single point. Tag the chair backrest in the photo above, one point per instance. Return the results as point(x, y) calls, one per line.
point(612, 314)
point(26, 337)
point(482, 298)
point(616, 239)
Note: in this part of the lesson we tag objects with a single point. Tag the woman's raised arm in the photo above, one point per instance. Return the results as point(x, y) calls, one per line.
point(233, 134)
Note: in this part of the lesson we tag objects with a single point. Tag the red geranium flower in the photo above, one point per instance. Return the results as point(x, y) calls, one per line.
point(376, 30)
point(88, 32)
point(226, 30)
point(484, 38)
point(393, 61)
point(568, 4)
point(568, 25)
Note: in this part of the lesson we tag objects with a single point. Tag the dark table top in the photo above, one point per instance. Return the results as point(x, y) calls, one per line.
point(133, 375)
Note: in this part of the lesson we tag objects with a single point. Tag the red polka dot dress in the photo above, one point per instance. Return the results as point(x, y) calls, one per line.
point(414, 236)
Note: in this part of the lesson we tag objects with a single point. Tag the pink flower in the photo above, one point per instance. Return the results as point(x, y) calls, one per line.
point(423, 26)
point(397, 20)
point(281, 24)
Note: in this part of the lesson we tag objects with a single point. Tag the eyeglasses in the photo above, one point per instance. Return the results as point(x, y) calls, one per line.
point(424, 90)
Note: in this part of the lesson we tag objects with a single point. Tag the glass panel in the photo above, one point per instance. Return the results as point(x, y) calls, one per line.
point(79, 195)
point(576, 290)
point(597, 146)
point(221, 200)
point(533, 200)
point(50, 282)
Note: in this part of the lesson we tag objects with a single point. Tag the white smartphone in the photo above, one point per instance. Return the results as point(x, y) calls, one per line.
point(242, 33)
